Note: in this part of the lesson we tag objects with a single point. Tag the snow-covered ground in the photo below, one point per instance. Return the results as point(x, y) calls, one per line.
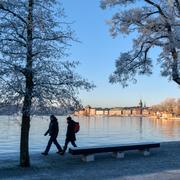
point(162, 164)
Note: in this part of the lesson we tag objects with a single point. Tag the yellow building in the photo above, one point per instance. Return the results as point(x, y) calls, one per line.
point(119, 111)
point(115, 112)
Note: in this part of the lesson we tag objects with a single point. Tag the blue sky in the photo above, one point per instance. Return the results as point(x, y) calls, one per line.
point(97, 53)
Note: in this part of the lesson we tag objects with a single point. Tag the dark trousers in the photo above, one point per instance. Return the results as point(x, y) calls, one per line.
point(66, 144)
point(52, 140)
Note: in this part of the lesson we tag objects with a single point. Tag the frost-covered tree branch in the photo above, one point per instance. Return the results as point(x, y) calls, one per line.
point(157, 24)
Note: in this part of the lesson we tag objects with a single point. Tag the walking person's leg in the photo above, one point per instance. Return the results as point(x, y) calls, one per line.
point(73, 143)
point(57, 145)
point(65, 147)
point(48, 146)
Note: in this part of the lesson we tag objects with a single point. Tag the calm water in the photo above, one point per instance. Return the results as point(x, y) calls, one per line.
point(94, 131)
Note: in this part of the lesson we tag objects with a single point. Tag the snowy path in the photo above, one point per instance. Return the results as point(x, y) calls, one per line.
point(164, 163)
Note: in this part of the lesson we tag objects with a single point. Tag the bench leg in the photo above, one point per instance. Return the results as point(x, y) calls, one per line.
point(118, 154)
point(146, 152)
point(87, 158)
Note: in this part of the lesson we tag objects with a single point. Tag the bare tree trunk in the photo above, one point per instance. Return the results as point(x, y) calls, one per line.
point(24, 143)
point(175, 72)
point(178, 5)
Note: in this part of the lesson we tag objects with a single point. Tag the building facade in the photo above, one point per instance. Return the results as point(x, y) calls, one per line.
point(119, 111)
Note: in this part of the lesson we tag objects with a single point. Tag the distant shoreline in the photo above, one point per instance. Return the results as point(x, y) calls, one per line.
point(153, 117)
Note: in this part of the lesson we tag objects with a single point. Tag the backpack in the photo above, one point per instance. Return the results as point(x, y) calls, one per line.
point(76, 127)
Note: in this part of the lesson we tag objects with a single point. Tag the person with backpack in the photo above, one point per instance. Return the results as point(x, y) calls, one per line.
point(53, 133)
point(72, 128)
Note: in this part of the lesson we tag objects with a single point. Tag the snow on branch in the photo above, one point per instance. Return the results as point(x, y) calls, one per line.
point(111, 3)
point(157, 24)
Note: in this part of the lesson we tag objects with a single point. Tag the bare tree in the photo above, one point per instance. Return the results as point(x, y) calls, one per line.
point(156, 23)
point(169, 105)
point(177, 111)
point(34, 37)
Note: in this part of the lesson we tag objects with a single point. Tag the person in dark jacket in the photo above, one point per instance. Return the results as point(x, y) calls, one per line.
point(53, 133)
point(70, 135)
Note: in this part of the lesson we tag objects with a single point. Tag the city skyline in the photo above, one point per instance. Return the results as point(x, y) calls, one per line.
point(97, 53)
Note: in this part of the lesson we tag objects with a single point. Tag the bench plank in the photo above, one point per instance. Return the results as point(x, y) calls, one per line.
point(113, 148)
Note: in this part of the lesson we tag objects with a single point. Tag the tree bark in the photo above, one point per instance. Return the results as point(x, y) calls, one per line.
point(25, 126)
point(24, 142)
point(175, 72)
point(178, 5)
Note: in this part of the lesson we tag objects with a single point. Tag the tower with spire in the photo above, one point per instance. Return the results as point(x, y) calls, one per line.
point(140, 106)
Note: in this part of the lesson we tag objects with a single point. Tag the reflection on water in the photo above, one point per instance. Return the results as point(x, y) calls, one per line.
point(93, 131)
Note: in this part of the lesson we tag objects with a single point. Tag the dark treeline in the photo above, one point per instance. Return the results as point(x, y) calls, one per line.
point(14, 109)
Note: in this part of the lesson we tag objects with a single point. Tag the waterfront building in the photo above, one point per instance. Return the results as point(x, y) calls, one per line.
point(122, 111)
point(115, 112)
point(118, 111)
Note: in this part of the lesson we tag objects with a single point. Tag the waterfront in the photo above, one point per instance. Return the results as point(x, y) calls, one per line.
point(98, 130)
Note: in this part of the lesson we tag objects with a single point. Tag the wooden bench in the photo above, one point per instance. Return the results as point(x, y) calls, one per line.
point(118, 150)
